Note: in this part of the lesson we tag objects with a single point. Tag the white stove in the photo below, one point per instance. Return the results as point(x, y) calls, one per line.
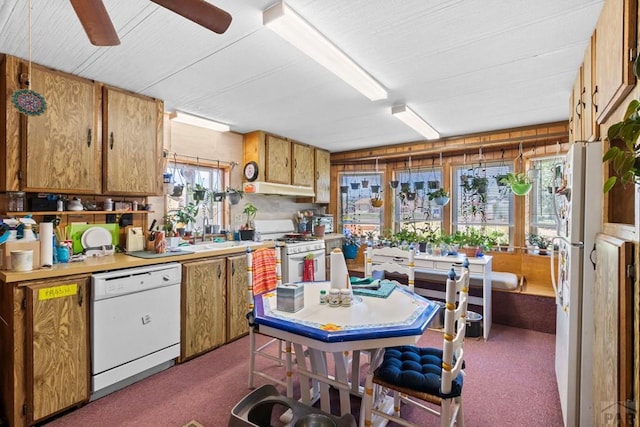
point(295, 248)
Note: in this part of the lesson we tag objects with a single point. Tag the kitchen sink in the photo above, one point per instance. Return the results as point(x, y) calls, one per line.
point(212, 246)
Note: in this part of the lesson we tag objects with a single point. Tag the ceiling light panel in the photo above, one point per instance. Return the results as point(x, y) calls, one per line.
point(179, 116)
point(282, 20)
point(411, 119)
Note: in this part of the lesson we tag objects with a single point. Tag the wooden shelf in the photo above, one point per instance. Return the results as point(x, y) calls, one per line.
point(40, 213)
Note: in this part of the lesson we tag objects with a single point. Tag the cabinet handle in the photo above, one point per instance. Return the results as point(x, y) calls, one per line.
point(111, 141)
point(89, 137)
point(80, 297)
point(219, 272)
point(317, 175)
point(295, 163)
point(578, 112)
point(286, 161)
point(593, 99)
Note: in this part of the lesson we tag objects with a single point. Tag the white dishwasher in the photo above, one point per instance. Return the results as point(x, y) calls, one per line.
point(135, 325)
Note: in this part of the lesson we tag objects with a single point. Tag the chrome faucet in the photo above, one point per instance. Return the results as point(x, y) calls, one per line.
point(205, 226)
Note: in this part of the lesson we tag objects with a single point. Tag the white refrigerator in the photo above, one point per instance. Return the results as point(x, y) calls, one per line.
point(578, 205)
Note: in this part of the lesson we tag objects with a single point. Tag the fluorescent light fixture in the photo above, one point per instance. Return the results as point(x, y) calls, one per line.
point(410, 118)
point(293, 28)
point(179, 116)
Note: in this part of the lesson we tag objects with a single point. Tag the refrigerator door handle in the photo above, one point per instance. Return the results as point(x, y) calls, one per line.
point(553, 276)
point(591, 256)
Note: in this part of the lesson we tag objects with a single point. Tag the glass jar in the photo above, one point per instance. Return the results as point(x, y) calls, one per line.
point(16, 201)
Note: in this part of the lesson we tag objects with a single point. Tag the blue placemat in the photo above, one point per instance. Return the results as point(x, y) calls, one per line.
point(385, 289)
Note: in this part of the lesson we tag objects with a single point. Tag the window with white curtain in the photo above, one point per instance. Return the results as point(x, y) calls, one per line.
point(417, 213)
point(358, 216)
point(188, 175)
point(480, 200)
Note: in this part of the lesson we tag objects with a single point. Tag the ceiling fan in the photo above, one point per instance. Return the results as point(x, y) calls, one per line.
point(97, 24)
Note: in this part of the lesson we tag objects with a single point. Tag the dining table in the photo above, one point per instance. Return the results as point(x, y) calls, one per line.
point(372, 322)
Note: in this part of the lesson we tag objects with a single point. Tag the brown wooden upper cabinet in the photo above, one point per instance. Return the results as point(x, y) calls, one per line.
point(132, 137)
point(614, 47)
point(590, 129)
point(303, 165)
point(272, 155)
point(62, 147)
point(576, 109)
point(278, 160)
point(323, 171)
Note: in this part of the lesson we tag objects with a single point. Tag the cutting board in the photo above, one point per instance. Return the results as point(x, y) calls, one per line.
point(74, 233)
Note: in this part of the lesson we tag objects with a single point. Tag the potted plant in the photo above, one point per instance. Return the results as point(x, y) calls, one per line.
point(543, 245)
point(624, 156)
point(247, 232)
point(350, 246)
point(376, 201)
point(184, 216)
point(199, 192)
point(519, 182)
point(234, 195)
point(440, 197)
point(218, 196)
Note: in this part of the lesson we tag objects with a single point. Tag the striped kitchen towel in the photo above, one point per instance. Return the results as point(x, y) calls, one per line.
point(264, 270)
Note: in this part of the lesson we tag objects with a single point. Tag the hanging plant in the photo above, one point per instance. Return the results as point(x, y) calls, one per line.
point(355, 185)
point(433, 185)
point(519, 182)
point(375, 188)
point(344, 189)
point(440, 197)
point(365, 183)
point(418, 185)
point(377, 202)
point(394, 184)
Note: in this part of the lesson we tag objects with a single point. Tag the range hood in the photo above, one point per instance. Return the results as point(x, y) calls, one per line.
point(261, 187)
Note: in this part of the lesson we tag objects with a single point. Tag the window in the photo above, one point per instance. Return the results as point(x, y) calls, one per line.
point(188, 176)
point(541, 212)
point(413, 209)
point(357, 213)
point(481, 201)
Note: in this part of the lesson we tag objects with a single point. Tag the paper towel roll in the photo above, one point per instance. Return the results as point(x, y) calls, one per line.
point(46, 244)
point(339, 272)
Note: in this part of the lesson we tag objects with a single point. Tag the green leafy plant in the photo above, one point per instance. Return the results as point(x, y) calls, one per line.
point(515, 178)
point(440, 192)
point(187, 214)
point(250, 212)
point(624, 158)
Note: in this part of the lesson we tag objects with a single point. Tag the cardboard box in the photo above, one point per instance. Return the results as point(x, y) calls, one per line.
point(5, 252)
point(290, 297)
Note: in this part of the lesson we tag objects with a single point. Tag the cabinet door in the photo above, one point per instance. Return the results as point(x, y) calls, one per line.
point(278, 164)
point(57, 353)
point(303, 164)
point(62, 146)
point(203, 306)
point(590, 130)
point(577, 109)
point(610, 332)
point(615, 38)
point(237, 306)
point(323, 172)
point(132, 144)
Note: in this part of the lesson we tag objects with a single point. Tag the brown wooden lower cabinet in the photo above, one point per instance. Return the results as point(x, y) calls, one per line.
point(45, 348)
point(203, 306)
point(237, 297)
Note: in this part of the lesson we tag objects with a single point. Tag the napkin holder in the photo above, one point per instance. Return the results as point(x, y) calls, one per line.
point(290, 297)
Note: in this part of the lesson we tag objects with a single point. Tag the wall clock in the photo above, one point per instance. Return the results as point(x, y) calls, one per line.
point(251, 171)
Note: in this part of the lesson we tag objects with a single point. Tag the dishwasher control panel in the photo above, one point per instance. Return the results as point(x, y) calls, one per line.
point(122, 282)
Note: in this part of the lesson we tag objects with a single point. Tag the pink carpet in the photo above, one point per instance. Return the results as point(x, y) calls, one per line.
point(509, 381)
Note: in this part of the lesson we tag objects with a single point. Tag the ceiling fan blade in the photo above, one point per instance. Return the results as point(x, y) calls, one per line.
point(96, 22)
point(200, 12)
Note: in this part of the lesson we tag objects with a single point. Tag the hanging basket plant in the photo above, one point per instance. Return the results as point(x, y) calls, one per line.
point(365, 183)
point(375, 188)
point(376, 202)
point(218, 196)
point(344, 189)
point(440, 197)
point(433, 185)
point(355, 185)
point(519, 182)
point(418, 185)
point(394, 184)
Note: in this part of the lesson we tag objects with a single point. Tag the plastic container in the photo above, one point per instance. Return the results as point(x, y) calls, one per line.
point(22, 260)
point(16, 201)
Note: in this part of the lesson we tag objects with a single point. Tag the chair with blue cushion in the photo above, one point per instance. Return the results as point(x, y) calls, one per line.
point(425, 377)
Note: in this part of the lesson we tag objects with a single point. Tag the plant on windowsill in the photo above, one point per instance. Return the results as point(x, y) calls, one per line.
point(624, 158)
point(184, 216)
point(519, 182)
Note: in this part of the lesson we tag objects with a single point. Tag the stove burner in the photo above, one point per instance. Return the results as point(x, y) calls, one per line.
point(296, 239)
